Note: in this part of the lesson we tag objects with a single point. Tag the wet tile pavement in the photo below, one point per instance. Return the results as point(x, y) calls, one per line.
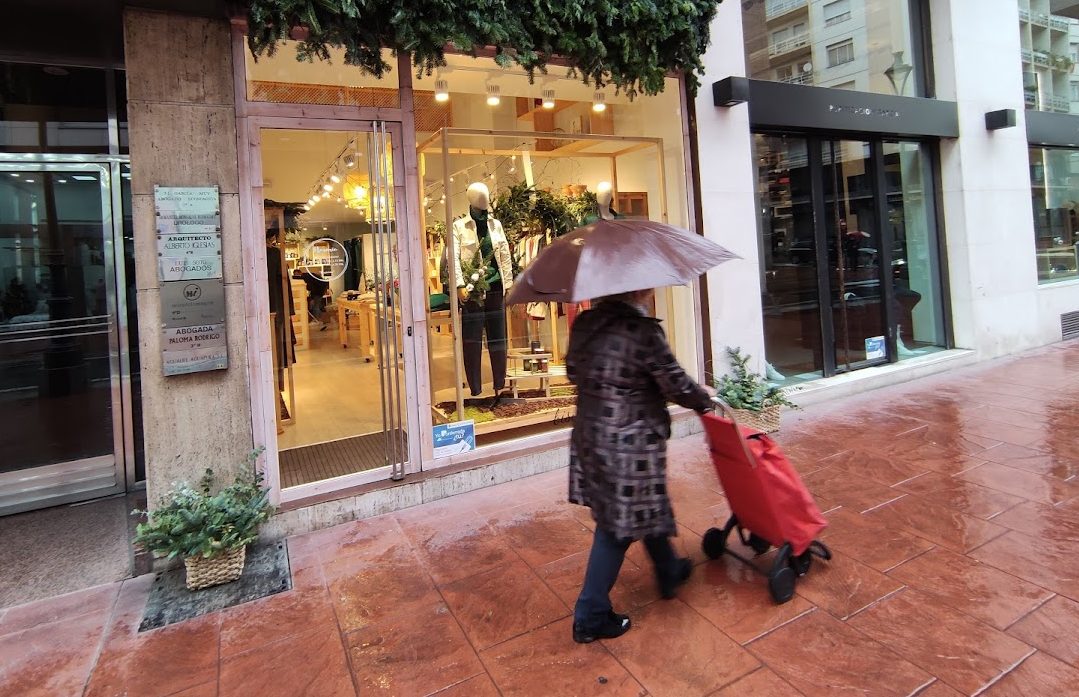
point(954, 515)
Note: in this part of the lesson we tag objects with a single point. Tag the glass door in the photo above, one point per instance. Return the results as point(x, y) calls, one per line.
point(854, 246)
point(61, 431)
point(333, 204)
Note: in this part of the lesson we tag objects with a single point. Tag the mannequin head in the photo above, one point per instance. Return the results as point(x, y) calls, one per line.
point(479, 196)
point(604, 195)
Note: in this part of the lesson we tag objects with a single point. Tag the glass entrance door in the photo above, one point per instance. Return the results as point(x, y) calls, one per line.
point(61, 429)
point(853, 238)
point(850, 264)
point(337, 300)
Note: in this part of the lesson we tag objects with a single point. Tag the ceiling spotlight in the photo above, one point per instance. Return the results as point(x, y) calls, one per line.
point(307, 206)
point(548, 99)
point(350, 163)
point(325, 194)
point(62, 181)
point(327, 187)
point(494, 95)
point(335, 179)
point(442, 90)
point(599, 102)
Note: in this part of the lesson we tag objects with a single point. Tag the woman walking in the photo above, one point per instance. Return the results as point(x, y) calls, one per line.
point(625, 374)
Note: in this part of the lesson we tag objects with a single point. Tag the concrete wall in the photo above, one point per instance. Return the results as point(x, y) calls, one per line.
point(183, 133)
point(728, 198)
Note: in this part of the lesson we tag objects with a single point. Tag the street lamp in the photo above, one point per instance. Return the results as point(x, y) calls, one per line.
point(898, 71)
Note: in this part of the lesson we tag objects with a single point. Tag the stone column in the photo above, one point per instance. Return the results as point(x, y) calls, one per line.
point(728, 198)
point(985, 178)
point(182, 125)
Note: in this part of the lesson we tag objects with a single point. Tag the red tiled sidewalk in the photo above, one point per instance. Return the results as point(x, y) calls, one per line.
point(954, 509)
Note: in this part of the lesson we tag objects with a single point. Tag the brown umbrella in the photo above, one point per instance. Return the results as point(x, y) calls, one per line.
point(615, 256)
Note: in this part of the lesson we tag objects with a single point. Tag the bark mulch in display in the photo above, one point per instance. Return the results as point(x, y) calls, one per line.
point(505, 411)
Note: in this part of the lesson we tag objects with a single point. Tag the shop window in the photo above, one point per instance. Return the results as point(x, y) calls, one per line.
point(841, 53)
point(836, 12)
point(53, 109)
point(886, 31)
point(1054, 180)
point(284, 79)
point(543, 150)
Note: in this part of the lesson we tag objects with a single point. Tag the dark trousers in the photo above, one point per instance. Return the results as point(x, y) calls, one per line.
point(475, 318)
point(604, 563)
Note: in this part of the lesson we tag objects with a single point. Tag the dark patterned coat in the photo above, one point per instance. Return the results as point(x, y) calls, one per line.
point(625, 374)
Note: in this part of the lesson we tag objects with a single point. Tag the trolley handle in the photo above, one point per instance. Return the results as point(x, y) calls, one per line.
point(727, 412)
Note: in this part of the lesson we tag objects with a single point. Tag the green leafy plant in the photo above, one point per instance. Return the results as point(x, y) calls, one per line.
point(632, 45)
point(196, 522)
point(474, 272)
point(743, 389)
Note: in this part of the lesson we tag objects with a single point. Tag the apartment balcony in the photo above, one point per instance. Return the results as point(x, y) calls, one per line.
point(1042, 58)
point(790, 45)
point(779, 8)
point(1028, 56)
point(799, 79)
point(1039, 19)
point(1024, 15)
point(1058, 24)
point(1031, 99)
point(1058, 104)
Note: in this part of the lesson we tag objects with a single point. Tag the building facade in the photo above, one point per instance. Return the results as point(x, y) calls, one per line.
point(895, 175)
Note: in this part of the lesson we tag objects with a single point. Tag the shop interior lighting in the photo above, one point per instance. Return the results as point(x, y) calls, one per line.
point(83, 178)
point(442, 90)
point(325, 194)
point(350, 162)
point(62, 181)
point(548, 99)
point(494, 94)
point(335, 179)
point(327, 187)
point(599, 102)
point(14, 174)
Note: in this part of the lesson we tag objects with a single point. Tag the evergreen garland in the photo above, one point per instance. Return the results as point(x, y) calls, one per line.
point(631, 45)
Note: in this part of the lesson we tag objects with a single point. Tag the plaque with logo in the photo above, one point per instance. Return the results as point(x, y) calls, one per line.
point(187, 303)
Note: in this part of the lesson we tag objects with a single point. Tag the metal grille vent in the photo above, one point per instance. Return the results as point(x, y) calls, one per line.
point(1069, 325)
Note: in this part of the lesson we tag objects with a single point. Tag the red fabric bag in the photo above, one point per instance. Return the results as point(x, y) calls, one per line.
point(763, 489)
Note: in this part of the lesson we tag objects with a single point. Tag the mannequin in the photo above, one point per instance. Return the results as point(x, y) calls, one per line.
point(604, 196)
point(478, 233)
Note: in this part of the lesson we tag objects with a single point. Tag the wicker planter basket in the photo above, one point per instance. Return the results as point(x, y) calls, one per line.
point(766, 420)
point(221, 568)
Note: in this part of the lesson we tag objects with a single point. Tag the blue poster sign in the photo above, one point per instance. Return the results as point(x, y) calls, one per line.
point(454, 438)
point(874, 348)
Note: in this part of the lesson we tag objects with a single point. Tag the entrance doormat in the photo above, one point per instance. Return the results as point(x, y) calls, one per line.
point(266, 571)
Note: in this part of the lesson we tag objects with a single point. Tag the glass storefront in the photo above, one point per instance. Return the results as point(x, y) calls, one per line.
point(862, 45)
point(548, 155)
point(1054, 182)
point(849, 256)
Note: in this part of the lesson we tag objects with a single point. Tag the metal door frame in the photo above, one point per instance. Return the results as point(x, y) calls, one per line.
point(262, 389)
point(108, 168)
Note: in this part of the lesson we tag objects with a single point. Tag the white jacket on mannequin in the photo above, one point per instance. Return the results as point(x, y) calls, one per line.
point(467, 243)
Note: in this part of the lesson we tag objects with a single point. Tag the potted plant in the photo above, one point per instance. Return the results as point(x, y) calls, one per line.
point(755, 403)
point(209, 530)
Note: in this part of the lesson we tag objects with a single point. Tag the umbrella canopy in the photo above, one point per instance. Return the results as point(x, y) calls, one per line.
point(615, 256)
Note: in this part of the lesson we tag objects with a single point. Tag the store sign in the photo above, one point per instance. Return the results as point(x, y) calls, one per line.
point(325, 259)
point(454, 438)
point(192, 290)
point(186, 303)
point(874, 348)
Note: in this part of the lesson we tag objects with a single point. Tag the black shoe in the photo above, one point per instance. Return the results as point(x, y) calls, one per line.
point(615, 626)
point(679, 574)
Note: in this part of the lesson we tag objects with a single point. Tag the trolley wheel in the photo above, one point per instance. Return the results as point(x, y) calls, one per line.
point(819, 549)
point(802, 562)
point(781, 584)
point(714, 543)
point(759, 544)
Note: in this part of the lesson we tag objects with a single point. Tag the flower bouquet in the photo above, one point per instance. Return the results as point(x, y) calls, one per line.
point(475, 275)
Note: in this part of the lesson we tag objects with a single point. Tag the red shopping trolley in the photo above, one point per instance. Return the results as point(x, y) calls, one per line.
point(770, 507)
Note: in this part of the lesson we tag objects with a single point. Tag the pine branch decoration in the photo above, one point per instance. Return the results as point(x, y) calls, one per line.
point(631, 45)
